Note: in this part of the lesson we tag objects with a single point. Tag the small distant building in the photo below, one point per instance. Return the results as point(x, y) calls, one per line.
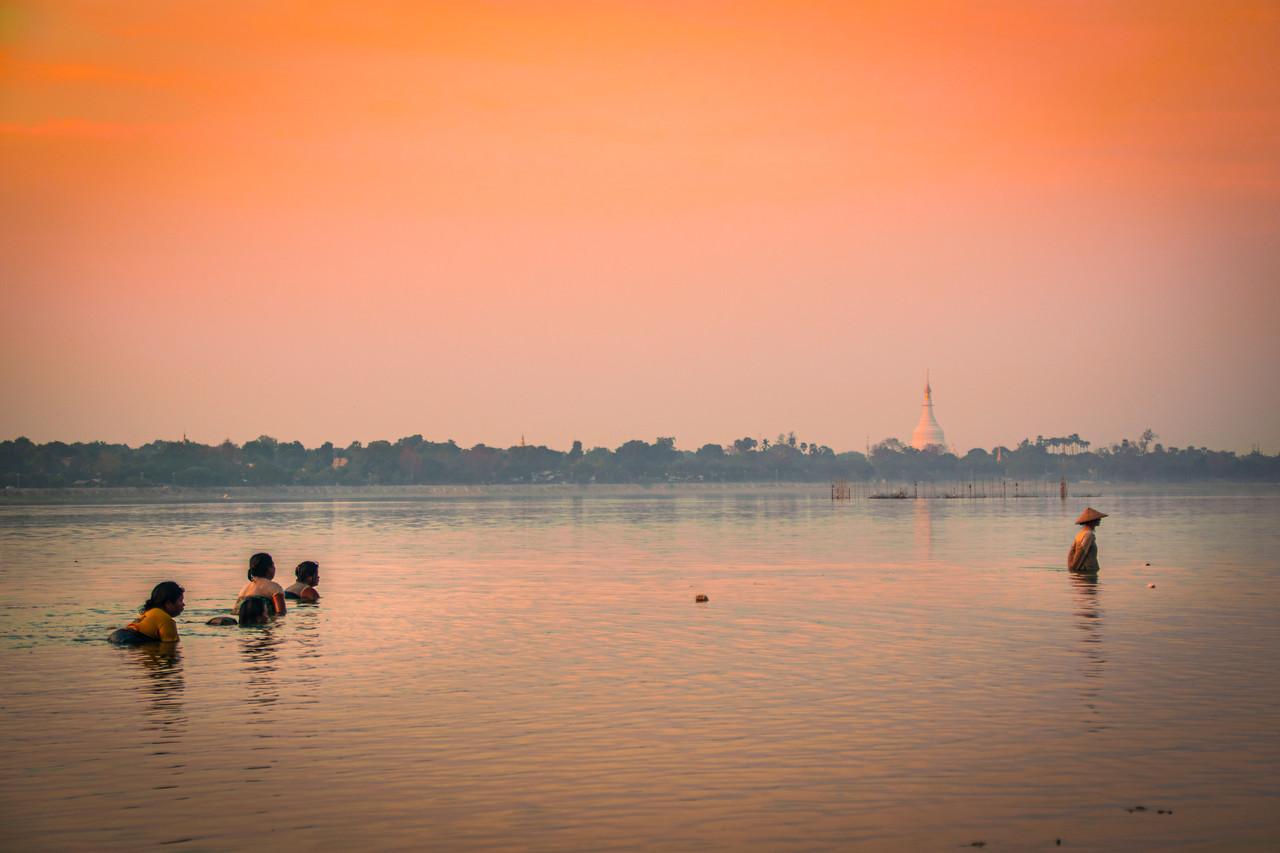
point(927, 432)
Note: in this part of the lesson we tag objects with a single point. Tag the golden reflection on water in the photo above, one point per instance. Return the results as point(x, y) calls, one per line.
point(922, 529)
point(534, 674)
point(1088, 603)
point(307, 662)
point(161, 689)
point(260, 648)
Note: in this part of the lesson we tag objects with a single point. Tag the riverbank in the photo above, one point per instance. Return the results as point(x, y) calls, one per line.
point(110, 495)
point(118, 495)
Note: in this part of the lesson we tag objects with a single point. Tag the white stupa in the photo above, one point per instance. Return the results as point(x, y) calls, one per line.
point(927, 432)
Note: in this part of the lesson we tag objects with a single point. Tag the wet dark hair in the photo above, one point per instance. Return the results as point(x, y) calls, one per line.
point(164, 592)
point(255, 610)
point(258, 565)
point(306, 569)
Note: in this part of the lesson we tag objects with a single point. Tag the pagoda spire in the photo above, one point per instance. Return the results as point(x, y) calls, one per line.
point(927, 432)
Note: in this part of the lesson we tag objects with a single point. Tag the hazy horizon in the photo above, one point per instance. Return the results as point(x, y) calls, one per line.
point(602, 222)
point(726, 443)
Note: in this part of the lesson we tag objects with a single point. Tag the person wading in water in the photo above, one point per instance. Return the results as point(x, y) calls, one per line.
point(1083, 556)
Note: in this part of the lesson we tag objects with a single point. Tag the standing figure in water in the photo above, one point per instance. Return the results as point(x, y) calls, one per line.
point(304, 589)
point(1083, 556)
point(261, 571)
point(155, 618)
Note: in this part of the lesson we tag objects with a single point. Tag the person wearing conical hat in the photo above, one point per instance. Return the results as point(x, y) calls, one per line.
point(1083, 556)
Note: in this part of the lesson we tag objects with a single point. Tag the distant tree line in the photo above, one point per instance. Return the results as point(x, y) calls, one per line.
point(266, 461)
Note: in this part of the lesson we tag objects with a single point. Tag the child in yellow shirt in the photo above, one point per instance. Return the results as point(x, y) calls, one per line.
point(155, 618)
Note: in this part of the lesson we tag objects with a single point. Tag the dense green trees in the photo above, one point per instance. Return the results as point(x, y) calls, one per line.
point(265, 461)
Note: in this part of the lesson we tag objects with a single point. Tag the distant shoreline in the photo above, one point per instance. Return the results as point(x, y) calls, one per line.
point(128, 495)
point(123, 495)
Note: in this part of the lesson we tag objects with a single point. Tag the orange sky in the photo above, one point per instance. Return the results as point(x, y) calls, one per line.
point(612, 220)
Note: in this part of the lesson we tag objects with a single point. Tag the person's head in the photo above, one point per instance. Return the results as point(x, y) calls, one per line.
point(262, 566)
point(308, 572)
point(167, 596)
point(1092, 525)
point(254, 610)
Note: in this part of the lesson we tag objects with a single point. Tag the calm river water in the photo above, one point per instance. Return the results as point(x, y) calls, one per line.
point(514, 671)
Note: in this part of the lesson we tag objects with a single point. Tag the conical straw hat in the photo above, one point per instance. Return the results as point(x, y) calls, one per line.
point(1090, 514)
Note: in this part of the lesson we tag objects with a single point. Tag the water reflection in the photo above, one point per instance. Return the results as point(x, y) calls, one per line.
point(525, 685)
point(260, 647)
point(306, 664)
point(1088, 614)
point(162, 689)
point(922, 530)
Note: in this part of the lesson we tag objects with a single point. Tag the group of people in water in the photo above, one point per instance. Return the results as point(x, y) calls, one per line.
point(260, 600)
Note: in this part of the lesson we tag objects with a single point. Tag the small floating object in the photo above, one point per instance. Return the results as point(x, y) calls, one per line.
point(1148, 564)
point(700, 598)
point(222, 620)
point(1151, 586)
point(977, 844)
point(1057, 841)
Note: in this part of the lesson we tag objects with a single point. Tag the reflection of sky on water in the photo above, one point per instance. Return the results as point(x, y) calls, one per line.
point(307, 658)
point(1086, 590)
point(160, 692)
point(260, 647)
point(922, 527)
point(489, 668)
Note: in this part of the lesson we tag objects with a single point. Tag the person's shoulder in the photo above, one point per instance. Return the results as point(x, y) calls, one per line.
point(274, 588)
point(309, 594)
point(155, 618)
point(165, 624)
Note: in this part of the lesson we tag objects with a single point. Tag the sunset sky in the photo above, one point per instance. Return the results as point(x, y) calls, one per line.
point(604, 221)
